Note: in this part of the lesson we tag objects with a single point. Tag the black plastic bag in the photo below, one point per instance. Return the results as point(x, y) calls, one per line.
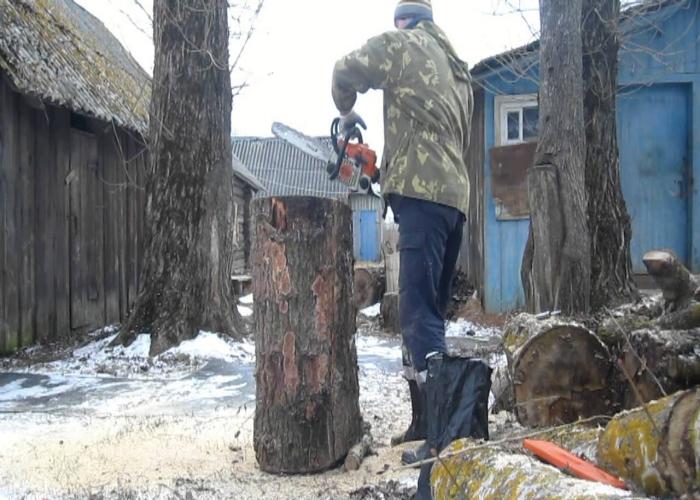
point(457, 395)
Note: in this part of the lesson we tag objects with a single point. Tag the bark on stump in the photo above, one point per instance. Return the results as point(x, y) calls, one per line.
point(560, 371)
point(369, 286)
point(307, 414)
point(495, 472)
point(657, 447)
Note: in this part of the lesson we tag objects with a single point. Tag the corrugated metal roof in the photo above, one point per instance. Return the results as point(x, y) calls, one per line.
point(56, 50)
point(285, 170)
point(242, 171)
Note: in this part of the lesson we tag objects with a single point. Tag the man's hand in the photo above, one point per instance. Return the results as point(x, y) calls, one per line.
point(349, 120)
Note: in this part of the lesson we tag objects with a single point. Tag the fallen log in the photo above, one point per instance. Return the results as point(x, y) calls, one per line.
point(369, 285)
point(307, 413)
point(560, 370)
point(496, 472)
point(358, 453)
point(682, 319)
point(677, 284)
point(660, 362)
point(657, 446)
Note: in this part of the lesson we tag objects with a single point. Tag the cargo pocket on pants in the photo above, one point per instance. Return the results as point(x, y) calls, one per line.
point(412, 254)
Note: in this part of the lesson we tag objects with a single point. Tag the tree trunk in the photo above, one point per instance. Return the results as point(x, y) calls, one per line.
point(556, 264)
point(656, 448)
point(369, 285)
point(185, 281)
point(307, 413)
point(390, 313)
point(560, 371)
point(494, 472)
point(678, 286)
point(608, 219)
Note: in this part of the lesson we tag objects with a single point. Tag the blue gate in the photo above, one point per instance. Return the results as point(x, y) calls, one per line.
point(366, 236)
point(653, 133)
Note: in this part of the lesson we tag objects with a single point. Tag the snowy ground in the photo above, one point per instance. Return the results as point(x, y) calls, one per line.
point(112, 422)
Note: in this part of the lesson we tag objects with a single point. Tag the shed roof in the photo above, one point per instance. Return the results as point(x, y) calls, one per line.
point(285, 170)
point(522, 58)
point(59, 52)
point(246, 175)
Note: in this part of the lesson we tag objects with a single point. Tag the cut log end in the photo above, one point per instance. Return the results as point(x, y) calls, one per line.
point(560, 375)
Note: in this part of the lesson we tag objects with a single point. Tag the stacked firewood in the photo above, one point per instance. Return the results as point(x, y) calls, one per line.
point(636, 366)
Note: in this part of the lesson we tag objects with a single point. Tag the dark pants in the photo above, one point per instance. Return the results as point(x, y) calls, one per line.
point(430, 235)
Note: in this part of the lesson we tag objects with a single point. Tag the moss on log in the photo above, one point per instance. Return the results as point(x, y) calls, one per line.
point(496, 473)
point(656, 447)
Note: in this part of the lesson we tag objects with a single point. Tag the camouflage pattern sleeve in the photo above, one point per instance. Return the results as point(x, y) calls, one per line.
point(369, 67)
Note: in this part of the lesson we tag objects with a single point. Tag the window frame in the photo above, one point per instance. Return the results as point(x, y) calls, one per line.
point(504, 104)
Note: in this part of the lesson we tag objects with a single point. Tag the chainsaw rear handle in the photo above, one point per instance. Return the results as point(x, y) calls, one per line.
point(340, 140)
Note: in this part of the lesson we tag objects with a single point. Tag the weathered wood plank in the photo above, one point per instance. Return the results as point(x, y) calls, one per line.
point(61, 137)
point(111, 192)
point(9, 306)
point(78, 250)
point(120, 216)
point(43, 267)
point(93, 211)
point(26, 236)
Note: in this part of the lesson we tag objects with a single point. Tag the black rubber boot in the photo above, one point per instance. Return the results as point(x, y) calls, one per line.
point(416, 455)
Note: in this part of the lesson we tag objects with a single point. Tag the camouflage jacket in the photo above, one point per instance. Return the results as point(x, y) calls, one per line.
point(427, 111)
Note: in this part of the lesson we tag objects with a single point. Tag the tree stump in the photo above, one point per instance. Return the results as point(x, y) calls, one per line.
point(369, 285)
point(677, 284)
point(560, 371)
point(656, 447)
point(307, 413)
point(390, 313)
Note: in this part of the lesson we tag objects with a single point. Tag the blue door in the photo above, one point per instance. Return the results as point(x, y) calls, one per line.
point(653, 133)
point(369, 236)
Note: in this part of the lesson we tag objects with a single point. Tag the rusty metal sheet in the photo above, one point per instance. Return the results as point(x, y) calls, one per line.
point(509, 166)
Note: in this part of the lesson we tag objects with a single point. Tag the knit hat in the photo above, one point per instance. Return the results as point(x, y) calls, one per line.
point(417, 10)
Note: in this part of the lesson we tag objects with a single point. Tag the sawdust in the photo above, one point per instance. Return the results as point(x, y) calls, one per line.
point(212, 456)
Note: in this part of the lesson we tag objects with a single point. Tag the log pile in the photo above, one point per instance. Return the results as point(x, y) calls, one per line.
point(560, 370)
point(654, 449)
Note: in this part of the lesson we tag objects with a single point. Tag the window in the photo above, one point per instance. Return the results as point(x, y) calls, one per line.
point(516, 119)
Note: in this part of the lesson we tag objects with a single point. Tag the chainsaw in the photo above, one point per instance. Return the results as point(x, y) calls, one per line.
point(350, 161)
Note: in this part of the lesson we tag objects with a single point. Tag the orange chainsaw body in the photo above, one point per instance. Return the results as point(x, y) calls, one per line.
point(360, 161)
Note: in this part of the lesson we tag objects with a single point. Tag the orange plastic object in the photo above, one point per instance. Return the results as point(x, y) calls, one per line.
point(564, 460)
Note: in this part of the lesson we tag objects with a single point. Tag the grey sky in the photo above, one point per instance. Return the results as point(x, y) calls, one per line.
point(287, 64)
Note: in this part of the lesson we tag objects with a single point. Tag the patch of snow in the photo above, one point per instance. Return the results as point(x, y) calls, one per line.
point(208, 345)
point(465, 328)
point(371, 311)
point(246, 299)
point(245, 311)
point(368, 346)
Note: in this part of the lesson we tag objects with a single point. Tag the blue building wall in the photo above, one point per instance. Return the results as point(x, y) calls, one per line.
point(659, 60)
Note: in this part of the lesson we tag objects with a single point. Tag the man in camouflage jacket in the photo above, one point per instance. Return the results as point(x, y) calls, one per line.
point(427, 112)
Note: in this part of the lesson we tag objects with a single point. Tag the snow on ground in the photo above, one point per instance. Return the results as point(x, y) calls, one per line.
point(110, 421)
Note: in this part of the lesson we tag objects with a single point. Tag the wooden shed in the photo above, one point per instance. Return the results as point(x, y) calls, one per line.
point(73, 114)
